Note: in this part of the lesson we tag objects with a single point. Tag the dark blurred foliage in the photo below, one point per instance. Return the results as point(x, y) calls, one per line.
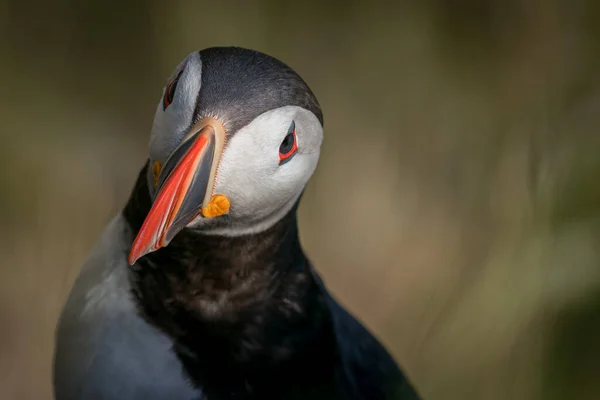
point(455, 208)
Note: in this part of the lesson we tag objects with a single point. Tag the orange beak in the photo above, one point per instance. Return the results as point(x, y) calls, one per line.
point(185, 187)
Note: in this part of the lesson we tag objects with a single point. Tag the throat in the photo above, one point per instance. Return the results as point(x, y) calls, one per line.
point(245, 313)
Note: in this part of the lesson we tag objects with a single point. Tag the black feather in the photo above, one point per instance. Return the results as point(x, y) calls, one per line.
point(239, 84)
point(251, 319)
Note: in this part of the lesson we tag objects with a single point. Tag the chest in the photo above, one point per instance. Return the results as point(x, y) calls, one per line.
point(105, 350)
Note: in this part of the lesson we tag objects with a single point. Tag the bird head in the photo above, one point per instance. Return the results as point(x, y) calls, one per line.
point(236, 137)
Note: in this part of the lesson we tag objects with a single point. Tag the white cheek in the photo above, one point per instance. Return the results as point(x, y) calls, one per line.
point(159, 140)
point(290, 178)
point(245, 174)
point(170, 125)
point(258, 186)
point(259, 189)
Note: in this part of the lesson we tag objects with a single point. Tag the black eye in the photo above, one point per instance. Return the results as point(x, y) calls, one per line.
point(170, 91)
point(289, 146)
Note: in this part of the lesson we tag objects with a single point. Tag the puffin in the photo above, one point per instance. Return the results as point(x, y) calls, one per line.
point(199, 288)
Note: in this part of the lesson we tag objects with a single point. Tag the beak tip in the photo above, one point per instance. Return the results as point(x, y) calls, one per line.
point(131, 259)
point(136, 253)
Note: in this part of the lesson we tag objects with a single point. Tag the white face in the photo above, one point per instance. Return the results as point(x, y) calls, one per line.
point(260, 188)
point(171, 124)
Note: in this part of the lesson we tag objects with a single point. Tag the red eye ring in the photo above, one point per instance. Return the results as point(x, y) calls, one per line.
point(288, 147)
point(170, 91)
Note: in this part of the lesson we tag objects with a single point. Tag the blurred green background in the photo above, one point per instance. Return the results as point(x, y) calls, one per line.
point(455, 209)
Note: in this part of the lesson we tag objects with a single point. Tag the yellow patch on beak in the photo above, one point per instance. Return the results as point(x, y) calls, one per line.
point(156, 168)
point(219, 205)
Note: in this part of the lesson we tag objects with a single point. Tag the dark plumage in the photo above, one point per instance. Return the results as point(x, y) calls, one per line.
point(239, 84)
point(250, 317)
point(231, 307)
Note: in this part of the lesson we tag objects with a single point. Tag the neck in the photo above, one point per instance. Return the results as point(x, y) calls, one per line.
point(244, 312)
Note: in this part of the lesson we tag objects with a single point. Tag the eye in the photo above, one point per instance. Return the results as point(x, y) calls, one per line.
point(289, 146)
point(170, 91)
